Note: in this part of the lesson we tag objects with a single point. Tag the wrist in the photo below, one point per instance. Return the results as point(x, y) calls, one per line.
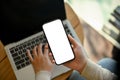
point(82, 65)
point(43, 75)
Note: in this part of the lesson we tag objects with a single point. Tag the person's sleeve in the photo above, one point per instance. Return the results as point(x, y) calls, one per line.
point(93, 71)
point(43, 75)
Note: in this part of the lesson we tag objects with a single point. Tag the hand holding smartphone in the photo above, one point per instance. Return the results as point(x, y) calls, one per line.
point(58, 41)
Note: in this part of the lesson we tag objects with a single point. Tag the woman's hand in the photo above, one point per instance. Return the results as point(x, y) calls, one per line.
point(80, 58)
point(40, 60)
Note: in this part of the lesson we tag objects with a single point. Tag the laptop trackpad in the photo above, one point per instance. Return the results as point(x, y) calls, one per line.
point(58, 70)
point(26, 73)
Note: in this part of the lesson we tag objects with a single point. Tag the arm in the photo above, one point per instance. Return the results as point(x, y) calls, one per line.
point(93, 71)
point(87, 68)
point(41, 62)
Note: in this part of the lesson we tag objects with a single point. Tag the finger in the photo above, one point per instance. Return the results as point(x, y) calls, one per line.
point(29, 55)
point(51, 58)
point(72, 46)
point(46, 46)
point(46, 50)
point(74, 43)
point(53, 61)
point(35, 52)
point(40, 53)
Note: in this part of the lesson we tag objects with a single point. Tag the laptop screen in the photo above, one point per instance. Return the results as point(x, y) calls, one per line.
point(22, 18)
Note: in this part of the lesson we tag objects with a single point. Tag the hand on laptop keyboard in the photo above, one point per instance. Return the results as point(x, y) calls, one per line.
point(40, 60)
point(19, 52)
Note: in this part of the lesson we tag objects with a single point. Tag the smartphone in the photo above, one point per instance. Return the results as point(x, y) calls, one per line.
point(58, 41)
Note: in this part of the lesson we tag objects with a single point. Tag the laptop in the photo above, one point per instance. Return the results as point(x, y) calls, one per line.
point(22, 22)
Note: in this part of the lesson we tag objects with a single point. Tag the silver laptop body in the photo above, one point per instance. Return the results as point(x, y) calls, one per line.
point(21, 65)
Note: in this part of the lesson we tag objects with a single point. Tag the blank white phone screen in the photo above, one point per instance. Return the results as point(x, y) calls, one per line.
point(58, 41)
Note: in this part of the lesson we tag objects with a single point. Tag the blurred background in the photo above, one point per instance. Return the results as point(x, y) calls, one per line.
point(100, 24)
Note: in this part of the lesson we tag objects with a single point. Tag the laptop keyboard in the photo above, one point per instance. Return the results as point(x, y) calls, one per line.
point(19, 52)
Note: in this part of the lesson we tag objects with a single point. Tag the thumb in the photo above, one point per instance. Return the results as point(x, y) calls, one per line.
point(72, 40)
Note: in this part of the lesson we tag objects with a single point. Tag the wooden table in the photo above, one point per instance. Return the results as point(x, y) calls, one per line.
point(6, 72)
